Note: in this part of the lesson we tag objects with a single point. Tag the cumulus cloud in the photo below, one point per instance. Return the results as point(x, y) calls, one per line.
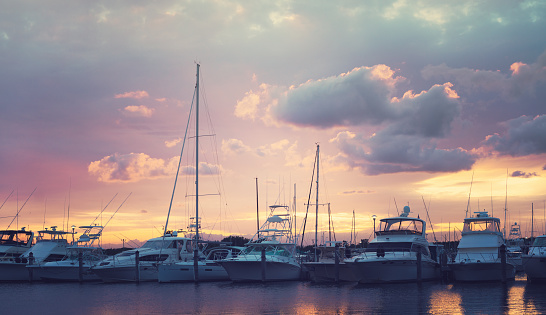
point(234, 146)
point(204, 169)
point(523, 174)
point(524, 136)
point(133, 94)
point(131, 167)
point(172, 143)
point(139, 110)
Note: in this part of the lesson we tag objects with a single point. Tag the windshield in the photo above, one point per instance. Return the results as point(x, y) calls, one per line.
point(400, 226)
point(540, 242)
point(481, 226)
point(269, 250)
point(157, 244)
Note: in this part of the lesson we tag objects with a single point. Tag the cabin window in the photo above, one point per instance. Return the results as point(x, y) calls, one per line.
point(400, 226)
point(389, 247)
point(157, 257)
point(540, 242)
point(481, 226)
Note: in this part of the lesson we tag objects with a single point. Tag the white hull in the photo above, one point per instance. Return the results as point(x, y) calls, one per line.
point(148, 272)
point(12, 271)
point(63, 272)
point(184, 272)
point(251, 270)
point(482, 271)
point(391, 270)
point(325, 271)
point(535, 268)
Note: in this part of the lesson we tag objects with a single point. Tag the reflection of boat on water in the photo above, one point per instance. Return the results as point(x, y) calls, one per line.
point(479, 251)
point(270, 254)
point(514, 247)
point(534, 262)
point(51, 245)
point(392, 256)
point(76, 265)
point(13, 243)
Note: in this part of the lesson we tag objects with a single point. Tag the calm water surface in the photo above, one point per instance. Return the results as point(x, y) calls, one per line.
point(517, 297)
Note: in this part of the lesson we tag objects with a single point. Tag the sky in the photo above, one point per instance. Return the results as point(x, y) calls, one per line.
point(437, 105)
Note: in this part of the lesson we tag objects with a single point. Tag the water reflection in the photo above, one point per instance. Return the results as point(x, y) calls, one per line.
point(516, 297)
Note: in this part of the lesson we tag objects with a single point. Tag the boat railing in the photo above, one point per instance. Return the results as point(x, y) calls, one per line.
point(477, 257)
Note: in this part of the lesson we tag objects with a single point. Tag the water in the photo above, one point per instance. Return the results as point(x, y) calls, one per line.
point(517, 297)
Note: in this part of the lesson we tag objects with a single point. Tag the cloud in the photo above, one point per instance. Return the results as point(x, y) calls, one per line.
point(234, 147)
point(139, 110)
point(134, 95)
point(204, 169)
point(358, 192)
point(523, 174)
point(524, 136)
point(172, 143)
point(131, 167)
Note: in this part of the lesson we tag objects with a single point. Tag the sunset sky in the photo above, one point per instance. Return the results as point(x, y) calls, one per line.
point(412, 103)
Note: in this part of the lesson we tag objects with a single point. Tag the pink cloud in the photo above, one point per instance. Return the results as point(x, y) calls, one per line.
point(134, 94)
point(140, 110)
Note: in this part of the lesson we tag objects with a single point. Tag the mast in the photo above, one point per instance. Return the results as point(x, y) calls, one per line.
point(196, 246)
point(317, 205)
point(257, 210)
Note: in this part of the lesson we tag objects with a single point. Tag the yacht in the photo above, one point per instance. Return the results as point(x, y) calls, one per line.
point(534, 262)
point(209, 269)
point(326, 269)
point(121, 267)
point(514, 247)
point(13, 243)
point(76, 264)
point(478, 253)
point(393, 255)
point(51, 245)
point(270, 254)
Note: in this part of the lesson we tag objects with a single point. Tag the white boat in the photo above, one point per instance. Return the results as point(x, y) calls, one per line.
point(122, 267)
point(393, 255)
point(13, 243)
point(76, 265)
point(50, 245)
point(514, 247)
point(270, 254)
point(209, 269)
point(326, 269)
point(478, 253)
point(534, 262)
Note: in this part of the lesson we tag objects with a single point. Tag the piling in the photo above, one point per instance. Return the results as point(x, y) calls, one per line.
point(263, 265)
point(137, 267)
point(80, 267)
point(30, 270)
point(502, 253)
point(419, 262)
point(336, 266)
point(196, 265)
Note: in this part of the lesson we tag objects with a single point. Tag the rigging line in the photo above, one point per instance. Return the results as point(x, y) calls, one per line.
point(469, 193)
point(17, 214)
point(129, 240)
point(100, 213)
point(396, 205)
point(308, 203)
point(6, 199)
point(117, 209)
point(429, 221)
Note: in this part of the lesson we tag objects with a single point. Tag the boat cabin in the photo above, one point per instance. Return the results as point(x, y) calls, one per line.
point(481, 223)
point(16, 237)
point(402, 225)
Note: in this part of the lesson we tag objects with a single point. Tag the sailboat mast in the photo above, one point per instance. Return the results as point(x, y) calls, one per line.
point(317, 205)
point(196, 245)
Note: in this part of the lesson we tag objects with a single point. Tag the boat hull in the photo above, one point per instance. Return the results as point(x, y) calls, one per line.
point(63, 273)
point(245, 270)
point(535, 268)
point(482, 271)
point(185, 272)
point(12, 271)
point(392, 271)
point(126, 273)
point(326, 271)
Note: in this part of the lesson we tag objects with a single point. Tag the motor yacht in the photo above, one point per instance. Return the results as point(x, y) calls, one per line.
point(534, 262)
point(13, 243)
point(329, 268)
point(479, 253)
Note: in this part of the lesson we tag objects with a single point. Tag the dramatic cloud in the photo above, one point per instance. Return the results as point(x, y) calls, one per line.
point(523, 174)
point(131, 167)
point(135, 95)
point(524, 136)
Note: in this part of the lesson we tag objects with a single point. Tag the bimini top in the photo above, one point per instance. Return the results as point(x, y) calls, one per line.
point(402, 225)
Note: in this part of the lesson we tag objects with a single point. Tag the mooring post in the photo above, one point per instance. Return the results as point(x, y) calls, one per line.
point(502, 253)
point(137, 267)
point(80, 267)
point(263, 264)
point(336, 266)
point(30, 270)
point(419, 262)
point(196, 265)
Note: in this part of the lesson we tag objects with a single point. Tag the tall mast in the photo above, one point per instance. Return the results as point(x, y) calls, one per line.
point(196, 246)
point(317, 205)
point(257, 210)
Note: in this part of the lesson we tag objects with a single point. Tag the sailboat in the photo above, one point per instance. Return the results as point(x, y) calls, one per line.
point(200, 268)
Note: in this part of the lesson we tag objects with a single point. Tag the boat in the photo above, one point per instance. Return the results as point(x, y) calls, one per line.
point(514, 247)
point(13, 243)
point(209, 269)
point(479, 256)
point(398, 253)
point(534, 262)
point(76, 264)
point(51, 245)
point(122, 267)
point(332, 265)
point(270, 254)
